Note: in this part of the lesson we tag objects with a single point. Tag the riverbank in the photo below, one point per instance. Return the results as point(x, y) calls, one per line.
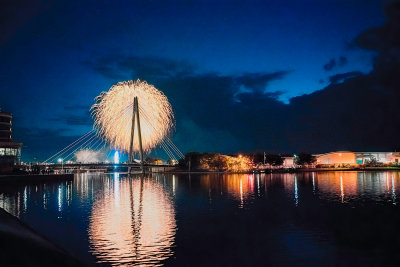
point(290, 170)
point(351, 169)
point(20, 245)
point(34, 178)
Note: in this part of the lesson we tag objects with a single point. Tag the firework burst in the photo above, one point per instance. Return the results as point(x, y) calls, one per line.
point(89, 156)
point(112, 114)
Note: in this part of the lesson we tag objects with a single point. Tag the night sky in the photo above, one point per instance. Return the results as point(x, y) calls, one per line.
point(277, 76)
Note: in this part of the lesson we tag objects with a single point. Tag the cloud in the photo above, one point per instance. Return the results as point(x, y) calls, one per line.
point(342, 61)
point(75, 120)
point(118, 66)
point(360, 113)
point(229, 113)
point(382, 37)
point(75, 115)
point(341, 77)
point(354, 112)
point(259, 81)
point(330, 64)
point(210, 101)
point(232, 112)
point(333, 63)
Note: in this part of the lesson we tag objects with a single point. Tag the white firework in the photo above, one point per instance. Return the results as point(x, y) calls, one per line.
point(113, 113)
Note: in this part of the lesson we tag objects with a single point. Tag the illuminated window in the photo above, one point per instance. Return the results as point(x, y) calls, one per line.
point(9, 151)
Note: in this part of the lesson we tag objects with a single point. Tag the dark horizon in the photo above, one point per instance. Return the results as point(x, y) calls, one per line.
point(277, 77)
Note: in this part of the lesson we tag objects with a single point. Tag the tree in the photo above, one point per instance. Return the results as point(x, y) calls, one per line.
point(372, 162)
point(172, 162)
point(211, 161)
point(218, 162)
point(258, 158)
point(304, 159)
point(274, 159)
point(150, 160)
point(191, 161)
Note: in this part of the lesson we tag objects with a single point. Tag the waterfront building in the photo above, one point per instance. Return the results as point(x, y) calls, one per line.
point(353, 158)
point(10, 151)
point(381, 157)
point(336, 158)
point(288, 162)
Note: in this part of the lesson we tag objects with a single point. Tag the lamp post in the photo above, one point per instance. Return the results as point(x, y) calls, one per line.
point(264, 158)
point(62, 164)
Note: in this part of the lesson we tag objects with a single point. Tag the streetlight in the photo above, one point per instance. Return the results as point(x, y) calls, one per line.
point(62, 164)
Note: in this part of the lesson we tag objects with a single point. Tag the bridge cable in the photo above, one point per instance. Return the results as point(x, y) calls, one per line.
point(69, 146)
point(170, 144)
point(162, 143)
point(80, 146)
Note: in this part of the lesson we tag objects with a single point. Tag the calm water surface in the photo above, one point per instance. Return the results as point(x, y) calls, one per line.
point(321, 218)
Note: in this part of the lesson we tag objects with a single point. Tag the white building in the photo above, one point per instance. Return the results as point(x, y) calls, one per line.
point(353, 158)
point(288, 162)
point(382, 157)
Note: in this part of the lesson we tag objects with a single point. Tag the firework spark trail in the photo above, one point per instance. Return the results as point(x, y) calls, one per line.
point(113, 115)
point(170, 146)
point(162, 143)
point(167, 143)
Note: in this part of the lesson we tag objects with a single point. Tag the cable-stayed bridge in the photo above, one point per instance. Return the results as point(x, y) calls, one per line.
point(92, 151)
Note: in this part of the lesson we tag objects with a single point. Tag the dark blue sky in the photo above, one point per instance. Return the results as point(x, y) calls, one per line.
point(57, 56)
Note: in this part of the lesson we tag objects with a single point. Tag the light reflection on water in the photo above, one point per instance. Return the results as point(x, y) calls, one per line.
point(132, 220)
point(117, 219)
point(333, 186)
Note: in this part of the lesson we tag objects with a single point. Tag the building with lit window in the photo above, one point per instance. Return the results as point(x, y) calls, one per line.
point(336, 158)
point(10, 151)
point(381, 157)
point(353, 158)
point(288, 162)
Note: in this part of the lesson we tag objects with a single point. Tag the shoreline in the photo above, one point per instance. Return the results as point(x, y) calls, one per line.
point(299, 170)
point(43, 178)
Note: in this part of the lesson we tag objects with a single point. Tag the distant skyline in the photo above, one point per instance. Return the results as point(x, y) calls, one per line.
point(234, 71)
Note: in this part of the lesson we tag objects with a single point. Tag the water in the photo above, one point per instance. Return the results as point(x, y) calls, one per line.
point(321, 218)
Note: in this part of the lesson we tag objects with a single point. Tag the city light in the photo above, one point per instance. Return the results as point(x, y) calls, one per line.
point(60, 160)
point(116, 157)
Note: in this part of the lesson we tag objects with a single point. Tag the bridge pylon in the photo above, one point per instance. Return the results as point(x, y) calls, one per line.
point(135, 113)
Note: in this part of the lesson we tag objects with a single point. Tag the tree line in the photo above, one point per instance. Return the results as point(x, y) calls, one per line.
point(277, 160)
point(220, 162)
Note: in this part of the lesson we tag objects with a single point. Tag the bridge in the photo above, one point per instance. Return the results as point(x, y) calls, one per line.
point(92, 143)
point(104, 167)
